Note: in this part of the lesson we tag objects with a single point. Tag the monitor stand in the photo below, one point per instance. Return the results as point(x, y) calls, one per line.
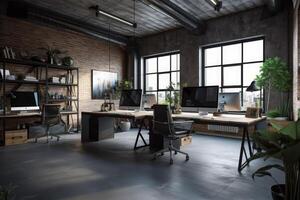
point(204, 111)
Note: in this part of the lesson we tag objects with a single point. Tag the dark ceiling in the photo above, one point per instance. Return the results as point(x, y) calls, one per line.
point(149, 19)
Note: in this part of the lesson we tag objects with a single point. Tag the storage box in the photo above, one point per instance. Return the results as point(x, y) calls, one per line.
point(180, 142)
point(16, 137)
point(186, 140)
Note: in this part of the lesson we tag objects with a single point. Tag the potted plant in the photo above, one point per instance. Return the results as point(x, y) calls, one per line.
point(274, 74)
point(124, 124)
point(52, 55)
point(7, 192)
point(282, 143)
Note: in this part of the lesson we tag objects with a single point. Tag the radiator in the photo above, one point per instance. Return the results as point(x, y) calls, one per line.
point(228, 129)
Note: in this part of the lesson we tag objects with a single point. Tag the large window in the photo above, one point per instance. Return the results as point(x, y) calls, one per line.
point(159, 73)
point(233, 66)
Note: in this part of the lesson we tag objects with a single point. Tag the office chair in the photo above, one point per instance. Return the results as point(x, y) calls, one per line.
point(164, 125)
point(50, 117)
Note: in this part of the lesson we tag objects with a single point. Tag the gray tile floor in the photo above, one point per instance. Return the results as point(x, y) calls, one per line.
point(111, 170)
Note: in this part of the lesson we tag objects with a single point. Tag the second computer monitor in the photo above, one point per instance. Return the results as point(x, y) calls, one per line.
point(230, 101)
point(148, 100)
point(200, 99)
point(130, 99)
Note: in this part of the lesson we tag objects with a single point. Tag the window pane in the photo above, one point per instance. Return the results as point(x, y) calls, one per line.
point(232, 75)
point(250, 72)
point(164, 63)
point(232, 54)
point(212, 56)
point(164, 81)
point(253, 51)
point(151, 65)
point(227, 90)
point(151, 82)
point(175, 77)
point(213, 76)
point(162, 97)
point(175, 62)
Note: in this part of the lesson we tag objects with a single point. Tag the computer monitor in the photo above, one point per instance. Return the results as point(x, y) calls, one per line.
point(24, 101)
point(130, 99)
point(200, 99)
point(230, 101)
point(148, 100)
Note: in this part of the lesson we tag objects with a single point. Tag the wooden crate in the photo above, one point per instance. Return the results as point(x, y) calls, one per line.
point(16, 137)
point(186, 140)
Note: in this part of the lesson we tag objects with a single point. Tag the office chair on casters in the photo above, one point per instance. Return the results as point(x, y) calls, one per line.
point(50, 117)
point(164, 125)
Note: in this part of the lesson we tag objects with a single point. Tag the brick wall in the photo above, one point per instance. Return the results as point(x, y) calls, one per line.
point(88, 53)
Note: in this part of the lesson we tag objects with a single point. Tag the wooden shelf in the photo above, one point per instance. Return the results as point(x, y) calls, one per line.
point(22, 82)
point(35, 64)
point(36, 82)
point(62, 84)
point(40, 70)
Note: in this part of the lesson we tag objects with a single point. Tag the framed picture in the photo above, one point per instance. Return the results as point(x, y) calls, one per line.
point(103, 84)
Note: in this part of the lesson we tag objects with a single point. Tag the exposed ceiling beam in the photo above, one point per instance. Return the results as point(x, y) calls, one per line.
point(176, 12)
point(274, 5)
point(296, 4)
point(42, 15)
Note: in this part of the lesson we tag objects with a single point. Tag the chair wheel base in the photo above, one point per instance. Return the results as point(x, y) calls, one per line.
point(171, 162)
point(187, 158)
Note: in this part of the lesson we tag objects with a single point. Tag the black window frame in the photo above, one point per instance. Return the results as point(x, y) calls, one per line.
point(242, 63)
point(158, 73)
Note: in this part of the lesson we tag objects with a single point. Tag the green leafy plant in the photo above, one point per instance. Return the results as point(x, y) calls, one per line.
point(273, 113)
point(122, 85)
point(7, 192)
point(282, 143)
point(52, 53)
point(173, 97)
point(274, 73)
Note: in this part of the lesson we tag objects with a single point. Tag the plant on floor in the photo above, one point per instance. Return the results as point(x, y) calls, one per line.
point(7, 192)
point(274, 74)
point(281, 143)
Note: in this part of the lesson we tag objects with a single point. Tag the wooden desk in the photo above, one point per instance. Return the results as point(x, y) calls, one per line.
point(11, 120)
point(90, 125)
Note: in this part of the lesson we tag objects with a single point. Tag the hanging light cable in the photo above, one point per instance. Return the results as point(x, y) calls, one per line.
point(109, 46)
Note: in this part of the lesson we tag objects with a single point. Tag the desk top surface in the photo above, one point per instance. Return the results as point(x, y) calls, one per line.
point(19, 115)
point(230, 119)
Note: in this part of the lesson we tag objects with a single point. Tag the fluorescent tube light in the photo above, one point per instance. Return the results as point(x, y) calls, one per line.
point(102, 12)
point(215, 3)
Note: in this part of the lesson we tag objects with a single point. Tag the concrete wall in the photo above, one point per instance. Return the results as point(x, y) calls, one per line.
point(241, 25)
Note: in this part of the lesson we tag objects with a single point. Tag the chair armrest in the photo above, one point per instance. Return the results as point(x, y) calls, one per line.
point(183, 125)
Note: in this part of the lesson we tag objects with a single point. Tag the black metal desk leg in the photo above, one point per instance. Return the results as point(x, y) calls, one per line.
point(243, 150)
point(140, 135)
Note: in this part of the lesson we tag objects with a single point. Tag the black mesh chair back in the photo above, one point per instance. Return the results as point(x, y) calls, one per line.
point(162, 120)
point(51, 114)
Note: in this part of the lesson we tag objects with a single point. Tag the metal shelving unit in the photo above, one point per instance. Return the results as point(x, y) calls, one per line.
point(37, 68)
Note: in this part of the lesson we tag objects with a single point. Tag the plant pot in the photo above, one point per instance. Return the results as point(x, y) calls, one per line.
point(281, 118)
point(278, 192)
point(125, 126)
